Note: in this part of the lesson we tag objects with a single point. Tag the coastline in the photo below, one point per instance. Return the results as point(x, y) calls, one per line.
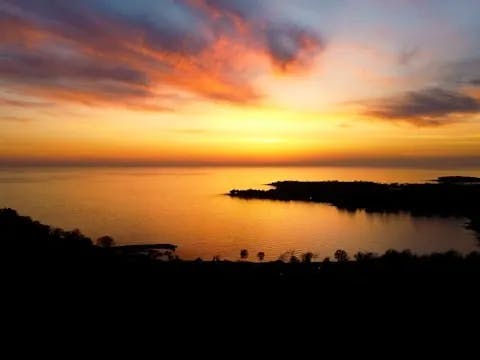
point(37, 252)
point(445, 196)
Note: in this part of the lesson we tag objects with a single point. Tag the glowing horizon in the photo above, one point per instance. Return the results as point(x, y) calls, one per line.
point(240, 82)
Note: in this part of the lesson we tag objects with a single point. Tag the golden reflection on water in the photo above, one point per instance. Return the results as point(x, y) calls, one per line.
point(185, 206)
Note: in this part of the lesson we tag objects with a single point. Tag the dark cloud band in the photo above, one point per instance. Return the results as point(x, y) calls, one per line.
point(432, 106)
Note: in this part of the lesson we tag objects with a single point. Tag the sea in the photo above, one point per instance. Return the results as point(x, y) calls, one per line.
point(188, 207)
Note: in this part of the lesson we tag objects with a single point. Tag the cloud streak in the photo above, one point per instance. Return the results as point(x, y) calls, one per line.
point(23, 103)
point(431, 106)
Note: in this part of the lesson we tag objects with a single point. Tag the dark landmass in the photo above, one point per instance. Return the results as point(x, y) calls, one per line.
point(57, 279)
point(454, 196)
point(38, 254)
point(458, 180)
point(57, 284)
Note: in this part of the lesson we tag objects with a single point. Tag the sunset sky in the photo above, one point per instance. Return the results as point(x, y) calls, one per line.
point(393, 82)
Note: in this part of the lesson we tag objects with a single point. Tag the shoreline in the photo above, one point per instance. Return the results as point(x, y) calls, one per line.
point(444, 197)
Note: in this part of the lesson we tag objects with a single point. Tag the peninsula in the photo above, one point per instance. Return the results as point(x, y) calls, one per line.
point(446, 196)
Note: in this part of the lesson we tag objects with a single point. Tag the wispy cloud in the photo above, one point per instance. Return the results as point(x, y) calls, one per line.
point(408, 55)
point(12, 118)
point(23, 103)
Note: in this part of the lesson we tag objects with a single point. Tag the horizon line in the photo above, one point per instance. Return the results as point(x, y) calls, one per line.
point(423, 162)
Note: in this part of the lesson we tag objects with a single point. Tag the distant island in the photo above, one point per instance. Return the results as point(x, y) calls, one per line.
point(457, 180)
point(457, 196)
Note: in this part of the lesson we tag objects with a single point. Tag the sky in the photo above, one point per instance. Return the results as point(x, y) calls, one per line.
point(271, 82)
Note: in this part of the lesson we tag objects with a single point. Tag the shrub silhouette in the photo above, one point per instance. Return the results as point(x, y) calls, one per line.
point(361, 256)
point(261, 256)
point(105, 241)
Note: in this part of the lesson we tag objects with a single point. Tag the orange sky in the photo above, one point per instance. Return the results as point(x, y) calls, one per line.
point(217, 82)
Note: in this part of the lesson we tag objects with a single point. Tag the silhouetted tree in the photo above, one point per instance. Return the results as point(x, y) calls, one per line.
point(294, 259)
point(341, 255)
point(307, 257)
point(261, 256)
point(105, 241)
point(244, 254)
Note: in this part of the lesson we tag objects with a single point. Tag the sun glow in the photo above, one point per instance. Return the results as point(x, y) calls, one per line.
point(218, 83)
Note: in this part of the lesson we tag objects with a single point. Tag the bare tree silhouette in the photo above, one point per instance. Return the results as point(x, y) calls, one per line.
point(341, 255)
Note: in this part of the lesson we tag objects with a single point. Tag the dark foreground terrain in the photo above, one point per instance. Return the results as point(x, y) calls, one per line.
point(40, 257)
point(56, 282)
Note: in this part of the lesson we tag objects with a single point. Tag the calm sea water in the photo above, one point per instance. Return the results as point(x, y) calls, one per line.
point(185, 206)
